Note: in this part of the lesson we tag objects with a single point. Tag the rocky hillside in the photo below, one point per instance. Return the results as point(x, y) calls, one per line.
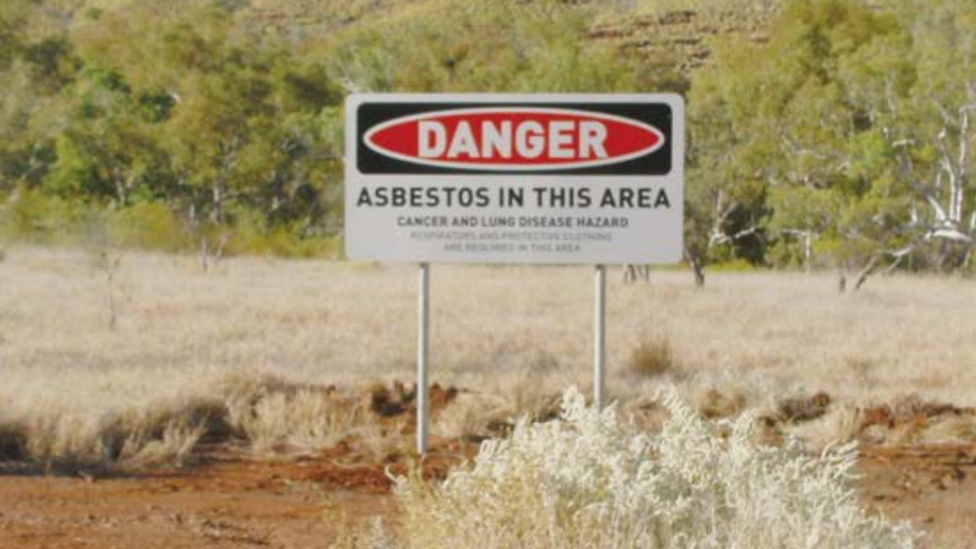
point(685, 30)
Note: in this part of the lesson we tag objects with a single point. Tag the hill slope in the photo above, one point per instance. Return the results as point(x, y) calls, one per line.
point(685, 30)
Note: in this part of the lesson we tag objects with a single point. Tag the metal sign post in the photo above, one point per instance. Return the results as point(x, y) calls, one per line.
point(599, 335)
point(540, 179)
point(423, 325)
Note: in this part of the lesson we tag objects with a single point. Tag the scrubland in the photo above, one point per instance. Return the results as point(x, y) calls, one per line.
point(71, 325)
point(151, 348)
point(121, 361)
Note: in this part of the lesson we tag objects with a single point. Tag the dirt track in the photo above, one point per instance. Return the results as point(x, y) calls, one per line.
point(227, 502)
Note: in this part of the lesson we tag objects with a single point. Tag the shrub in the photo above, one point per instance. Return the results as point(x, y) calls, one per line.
point(149, 226)
point(34, 217)
point(733, 266)
point(250, 234)
point(588, 480)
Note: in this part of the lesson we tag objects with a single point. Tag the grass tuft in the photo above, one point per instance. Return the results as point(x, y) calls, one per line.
point(653, 358)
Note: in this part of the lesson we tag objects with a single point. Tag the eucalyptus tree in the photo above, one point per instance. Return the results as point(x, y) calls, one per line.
point(780, 142)
point(108, 149)
point(242, 124)
point(858, 127)
point(919, 92)
point(34, 70)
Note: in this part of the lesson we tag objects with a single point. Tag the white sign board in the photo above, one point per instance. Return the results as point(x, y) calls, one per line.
point(554, 179)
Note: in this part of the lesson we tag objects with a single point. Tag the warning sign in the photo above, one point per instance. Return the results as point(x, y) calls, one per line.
point(515, 178)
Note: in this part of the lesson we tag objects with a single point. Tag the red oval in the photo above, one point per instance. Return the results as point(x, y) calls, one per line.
point(514, 138)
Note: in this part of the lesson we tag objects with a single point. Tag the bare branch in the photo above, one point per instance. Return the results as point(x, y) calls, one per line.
point(940, 213)
point(874, 262)
point(947, 162)
point(963, 165)
point(719, 237)
point(954, 235)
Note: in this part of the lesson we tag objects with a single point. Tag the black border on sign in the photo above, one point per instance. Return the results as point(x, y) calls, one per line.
point(657, 163)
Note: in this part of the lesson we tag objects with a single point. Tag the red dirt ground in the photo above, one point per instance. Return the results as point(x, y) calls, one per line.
point(934, 486)
point(228, 502)
point(223, 502)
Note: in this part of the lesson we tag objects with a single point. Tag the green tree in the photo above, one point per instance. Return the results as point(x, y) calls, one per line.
point(923, 119)
point(247, 130)
point(781, 132)
point(12, 16)
point(859, 126)
point(241, 125)
point(109, 150)
point(724, 203)
point(33, 72)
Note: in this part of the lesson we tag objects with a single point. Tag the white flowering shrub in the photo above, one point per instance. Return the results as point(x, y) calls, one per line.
point(589, 481)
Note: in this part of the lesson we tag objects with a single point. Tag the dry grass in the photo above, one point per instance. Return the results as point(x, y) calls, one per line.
point(652, 358)
point(302, 421)
point(153, 376)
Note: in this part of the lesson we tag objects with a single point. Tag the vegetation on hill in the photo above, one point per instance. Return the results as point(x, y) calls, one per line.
point(824, 133)
point(844, 142)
